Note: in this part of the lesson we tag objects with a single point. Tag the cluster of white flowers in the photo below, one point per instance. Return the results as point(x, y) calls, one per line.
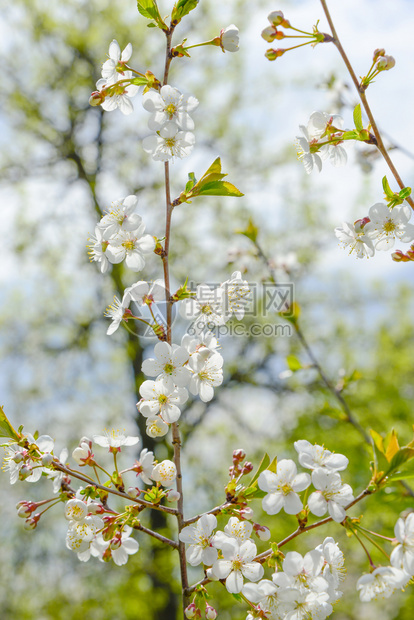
point(172, 123)
point(378, 231)
point(19, 461)
point(114, 75)
point(384, 580)
point(237, 550)
point(282, 487)
point(87, 536)
point(120, 236)
point(306, 588)
point(321, 140)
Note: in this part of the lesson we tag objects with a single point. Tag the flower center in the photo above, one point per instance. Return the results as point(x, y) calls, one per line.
point(206, 310)
point(169, 369)
point(171, 110)
point(237, 564)
point(129, 244)
point(170, 142)
point(162, 399)
point(286, 489)
point(389, 227)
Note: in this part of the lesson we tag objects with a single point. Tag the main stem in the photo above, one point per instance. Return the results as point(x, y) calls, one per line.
point(364, 101)
point(176, 439)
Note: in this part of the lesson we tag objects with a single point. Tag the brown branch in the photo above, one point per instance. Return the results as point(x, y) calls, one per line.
point(142, 502)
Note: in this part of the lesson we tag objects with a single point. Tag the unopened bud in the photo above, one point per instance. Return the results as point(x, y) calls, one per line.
point(47, 459)
point(378, 53)
point(95, 508)
point(24, 472)
point(190, 611)
point(385, 63)
point(173, 496)
point(238, 455)
point(262, 532)
point(246, 513)
point(17, 458)
point(211, 613)
point(397, 256)
point(115, 542)
point(134, 492)
point(359, 224)
point(96, 98)
point(272, 54)
point(276, 18)
point(31, 524)
point(247, 467)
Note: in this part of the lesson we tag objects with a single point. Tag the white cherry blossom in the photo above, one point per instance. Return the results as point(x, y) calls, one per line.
point(120, 217)
point(236, 295)
point(120, 95)
point(165, 473)
point(403, 554)
point(236, 529)
point(122, 546)
point(168, 363)
point(131, 246)
point(169, 105)
point(313, 456)
point(144, 466)
point(200, 540)
point(282, 488)
point(114, 440)
point(355, 239)
point(386, 225)
point(331, 495)
point(161, 397)
point(229, 39)
point(206, 308)
point(237, 563)
point(169, 142)
point(115, 312)
point(109, 67)
point(97, 249)
point(156, 427)
point(381, 583)
point(208, 373)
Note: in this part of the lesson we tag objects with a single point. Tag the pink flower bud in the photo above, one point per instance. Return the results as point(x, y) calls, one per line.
point(397, 256)
point(238, 455)
point(247, 467)
point(31, 523)
point(190, 611)
point(385, 63)
point(134, 492)
point(211, 613)
point(262, 532)
point(246, 513)
point(359, 224)
point(95, 508)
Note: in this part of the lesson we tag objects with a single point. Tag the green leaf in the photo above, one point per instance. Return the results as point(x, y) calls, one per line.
point(182, 8)
point(407, 475)
point(404, 193)
point(400, 457)
point(391, 445)
point(148, 8)
point(293, 363)
point(238, 598)
point(191, 182)
point(387, 189)
point(140, 80)
point(264, 463)
point(251, 231)
point(378, 440)
point(214, 168)
point(358, 117)
point(219, 188)
point(6, 429)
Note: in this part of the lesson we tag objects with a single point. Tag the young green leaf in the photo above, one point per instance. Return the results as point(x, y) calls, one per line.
point(6, 429)
point(358, 118)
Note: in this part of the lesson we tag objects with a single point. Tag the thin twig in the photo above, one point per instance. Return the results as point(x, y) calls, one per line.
point(361, 92)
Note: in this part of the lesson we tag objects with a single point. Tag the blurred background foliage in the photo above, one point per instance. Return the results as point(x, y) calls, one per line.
point(62, 163)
